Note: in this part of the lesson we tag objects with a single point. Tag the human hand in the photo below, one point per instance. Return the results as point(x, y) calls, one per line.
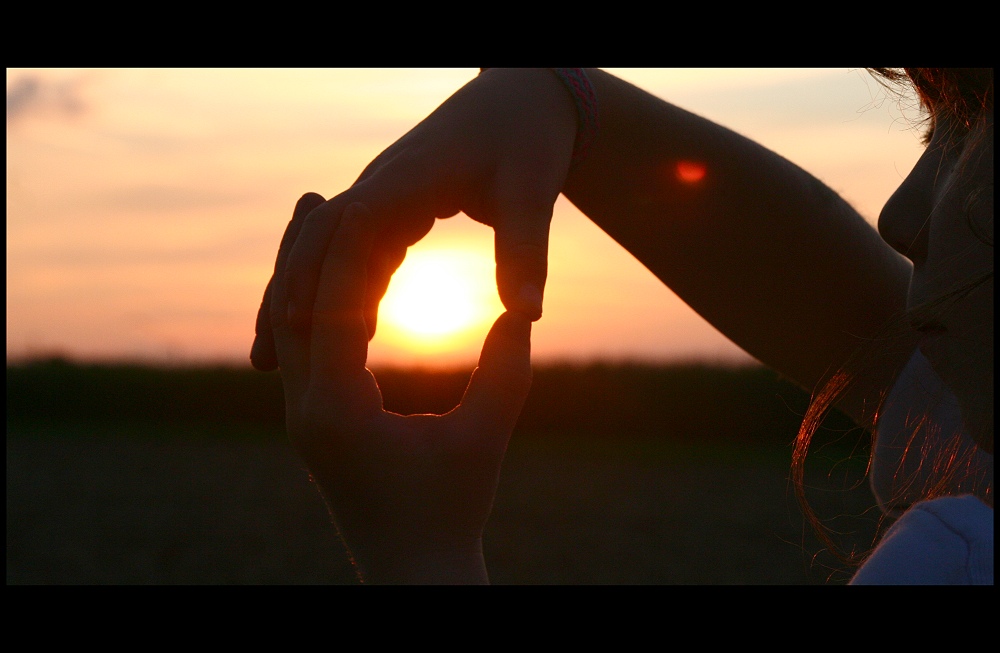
point(498, 150)
point(410, 495)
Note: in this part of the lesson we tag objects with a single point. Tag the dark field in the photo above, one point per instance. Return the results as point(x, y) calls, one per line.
point(615, 475)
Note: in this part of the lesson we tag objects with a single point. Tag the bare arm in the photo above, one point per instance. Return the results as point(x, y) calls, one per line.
point(763, 250)
point(760, 248)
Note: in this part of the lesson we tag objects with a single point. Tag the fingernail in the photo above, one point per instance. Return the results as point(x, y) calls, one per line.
point(531, 298)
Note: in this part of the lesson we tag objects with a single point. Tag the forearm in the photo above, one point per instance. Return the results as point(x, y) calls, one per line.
point(763, 250)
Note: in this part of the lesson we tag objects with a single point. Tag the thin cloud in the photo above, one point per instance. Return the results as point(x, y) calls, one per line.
point(166, 199)
point(105, 253)
point(34, 95)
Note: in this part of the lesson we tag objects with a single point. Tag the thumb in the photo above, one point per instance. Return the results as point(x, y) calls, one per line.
point(522, 247)
point(500, 384)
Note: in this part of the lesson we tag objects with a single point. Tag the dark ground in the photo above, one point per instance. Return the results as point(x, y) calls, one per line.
point(104, 507)
point(161, 501)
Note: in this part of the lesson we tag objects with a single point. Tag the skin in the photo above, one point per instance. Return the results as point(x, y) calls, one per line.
point(499, 149)
point(500, 157)
point(390, 481)
point(763, 250)
point(754, 247)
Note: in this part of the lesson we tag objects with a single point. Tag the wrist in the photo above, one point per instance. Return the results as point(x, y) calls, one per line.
point(577, 83)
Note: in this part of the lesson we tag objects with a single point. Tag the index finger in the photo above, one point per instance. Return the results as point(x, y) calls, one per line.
point(392, 200)
point(521, 227)
point(339, 343)
point(263, 353)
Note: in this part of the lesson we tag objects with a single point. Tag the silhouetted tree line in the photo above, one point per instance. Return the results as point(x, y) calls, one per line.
point(688, 402)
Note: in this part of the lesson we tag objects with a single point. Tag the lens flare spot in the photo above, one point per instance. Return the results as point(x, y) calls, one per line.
point(690, 172)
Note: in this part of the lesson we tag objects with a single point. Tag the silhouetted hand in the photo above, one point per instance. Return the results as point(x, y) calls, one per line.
point(498, 150)
point(409, 495)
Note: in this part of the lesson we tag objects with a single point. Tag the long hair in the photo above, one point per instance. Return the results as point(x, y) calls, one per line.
point(960, 100)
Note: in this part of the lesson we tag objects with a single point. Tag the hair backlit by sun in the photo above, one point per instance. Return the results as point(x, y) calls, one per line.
point(437, 297)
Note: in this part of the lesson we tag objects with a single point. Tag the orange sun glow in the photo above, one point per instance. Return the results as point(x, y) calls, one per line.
point(438, 295)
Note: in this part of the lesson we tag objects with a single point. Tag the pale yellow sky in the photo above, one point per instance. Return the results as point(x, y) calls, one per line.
point(144, 207)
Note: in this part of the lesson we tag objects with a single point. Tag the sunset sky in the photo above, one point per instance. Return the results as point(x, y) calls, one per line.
point(144, 207)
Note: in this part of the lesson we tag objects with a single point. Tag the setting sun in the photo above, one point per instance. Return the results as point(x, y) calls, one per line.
point(145, 207)
point(437, 295)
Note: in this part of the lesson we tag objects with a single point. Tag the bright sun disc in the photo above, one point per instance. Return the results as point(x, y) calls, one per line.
point(437, 294)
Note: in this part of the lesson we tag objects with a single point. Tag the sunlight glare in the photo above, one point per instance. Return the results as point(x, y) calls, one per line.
point(438, 294)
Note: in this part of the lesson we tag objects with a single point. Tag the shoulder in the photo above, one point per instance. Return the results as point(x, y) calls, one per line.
point(948, 540)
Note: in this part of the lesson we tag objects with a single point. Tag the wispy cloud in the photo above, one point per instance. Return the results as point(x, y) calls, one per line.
point(155, 198)
point(35, 95)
